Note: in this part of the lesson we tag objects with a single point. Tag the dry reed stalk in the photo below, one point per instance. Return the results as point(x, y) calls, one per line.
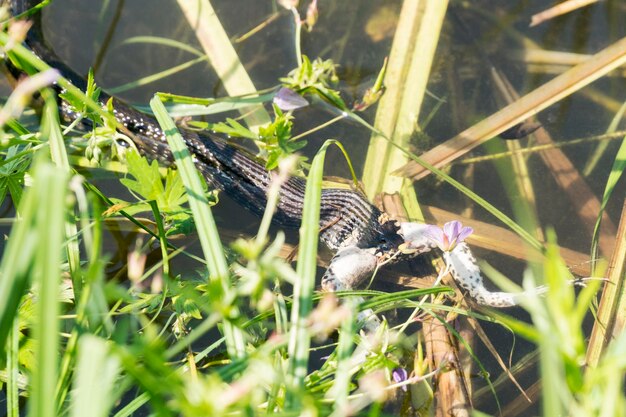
point(580, 195)
point(558, 10)
point(532, 103)
point(525, 209)
point(611, 317)
point(542, 61)
point(570, 181)
point(407, 75)
point(450, 390)
point(222, 56)
point(449, 397)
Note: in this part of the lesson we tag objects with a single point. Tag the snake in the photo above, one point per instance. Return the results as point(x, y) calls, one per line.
point(362, 237)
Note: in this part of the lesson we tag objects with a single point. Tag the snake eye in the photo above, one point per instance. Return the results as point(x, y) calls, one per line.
point(383, 243)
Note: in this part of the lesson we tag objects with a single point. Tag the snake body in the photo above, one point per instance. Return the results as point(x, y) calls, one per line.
point(362, 237)
point(346, 217)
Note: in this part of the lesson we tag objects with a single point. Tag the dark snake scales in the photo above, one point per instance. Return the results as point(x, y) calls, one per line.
point(361, 235)
point(346, 217)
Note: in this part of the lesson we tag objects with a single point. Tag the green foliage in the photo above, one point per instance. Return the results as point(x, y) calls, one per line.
point(104, 135)
point(148, 185)
point(169, 194)
point(218, 336)
point(374, 93)
point(233, 128)
point(274, 140)
point(252, 355)
point(96, 374)
point(12, 173)
point(315, 78)
point(568, 387)
point(77, 103)
point(617, 170)
point(263, 267)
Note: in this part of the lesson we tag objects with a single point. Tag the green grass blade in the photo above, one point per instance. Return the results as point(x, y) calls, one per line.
point(17, 127)
point(94, 380)
point(619, 166)
point(15, 268)
point(156, 76)
point(205, 224)
point(134, 405)
point(300, 338)
point(14, 273)
point(515, 179)
point(594, 159)
point(203, 107)
point(50, 188)
point(380, 300)
point(51, 130)
point(12, 391)
point(532, 241)
point(162, 238)
point(529, 238)
point(158, 40)
point(207, 230)
point(341, 387)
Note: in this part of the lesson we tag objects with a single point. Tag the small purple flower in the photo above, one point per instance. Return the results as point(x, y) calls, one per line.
point(286, 99)
point(400, 375)
point(448, 237)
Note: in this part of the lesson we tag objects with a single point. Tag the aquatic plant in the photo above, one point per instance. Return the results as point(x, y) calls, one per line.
point(238, 330)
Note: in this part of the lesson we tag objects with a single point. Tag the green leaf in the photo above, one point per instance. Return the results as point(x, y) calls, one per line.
point(182, 106)
point(146, 303)
point(618, 168)
point(12, 173)
point(315, 78)
point(207, 229)
point(174, 195)
point(180, 223)
point(233, 128)
point(275, 139)
point(148, 184)
point(186, 306)
point(17, 127)
point(300, 336)
point(77, 103)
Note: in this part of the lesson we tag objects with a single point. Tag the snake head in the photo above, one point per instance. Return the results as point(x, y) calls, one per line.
point(388, 237)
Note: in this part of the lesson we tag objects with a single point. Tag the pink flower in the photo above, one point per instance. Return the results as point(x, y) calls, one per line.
point(448, 237)
point(287, 99)
point(400, 375)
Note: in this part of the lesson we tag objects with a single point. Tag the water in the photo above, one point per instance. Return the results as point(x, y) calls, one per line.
point(357, 35)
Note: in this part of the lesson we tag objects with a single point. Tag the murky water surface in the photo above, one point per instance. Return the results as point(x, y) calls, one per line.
point(357, 35)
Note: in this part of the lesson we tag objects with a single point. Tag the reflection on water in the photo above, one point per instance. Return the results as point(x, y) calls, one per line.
point(357, 35)
point(477, 39)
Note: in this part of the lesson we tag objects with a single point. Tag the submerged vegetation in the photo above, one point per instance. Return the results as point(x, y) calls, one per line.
point(108, 306)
